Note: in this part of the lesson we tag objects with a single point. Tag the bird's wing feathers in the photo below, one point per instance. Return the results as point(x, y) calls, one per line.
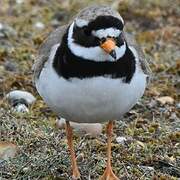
point(143, 62)
point(54, 38)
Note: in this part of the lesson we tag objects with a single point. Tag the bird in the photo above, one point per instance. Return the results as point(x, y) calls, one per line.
point(91, 71)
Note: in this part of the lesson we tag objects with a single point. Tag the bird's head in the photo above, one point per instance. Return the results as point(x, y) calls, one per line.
point(97, 34)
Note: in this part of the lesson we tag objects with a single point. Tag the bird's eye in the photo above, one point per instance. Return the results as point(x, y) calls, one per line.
point(87, 31)
point(97, 40)
point(103, 40)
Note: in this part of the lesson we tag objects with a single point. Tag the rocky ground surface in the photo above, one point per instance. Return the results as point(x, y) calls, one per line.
point(146, 142)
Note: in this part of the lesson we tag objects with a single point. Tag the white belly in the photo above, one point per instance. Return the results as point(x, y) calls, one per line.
point(90, 100)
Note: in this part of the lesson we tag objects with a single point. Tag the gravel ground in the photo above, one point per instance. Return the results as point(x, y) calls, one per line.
point(150, 131)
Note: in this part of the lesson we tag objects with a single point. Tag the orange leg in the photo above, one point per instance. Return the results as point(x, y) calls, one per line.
point(69, 134)
point(108, 173)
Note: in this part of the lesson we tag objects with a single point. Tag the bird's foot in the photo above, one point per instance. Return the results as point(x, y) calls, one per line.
point(109, 175)
point(76, 175)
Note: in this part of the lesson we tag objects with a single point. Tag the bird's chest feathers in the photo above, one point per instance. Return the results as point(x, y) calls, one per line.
point(93, 97)
point(89, 97)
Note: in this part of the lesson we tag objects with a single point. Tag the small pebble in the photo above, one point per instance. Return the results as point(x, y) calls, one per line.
point(1, 26)
point(10, 66)
point(39, 25)
point(121, 140)
point(18, 94)
point(20, 100)
point(19, 1)
point(165, 100)
point(93, 129)
point(178, 105)
point(25, 169)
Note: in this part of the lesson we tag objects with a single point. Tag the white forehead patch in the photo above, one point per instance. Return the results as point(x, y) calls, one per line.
point(103, 33)
point(81, 22)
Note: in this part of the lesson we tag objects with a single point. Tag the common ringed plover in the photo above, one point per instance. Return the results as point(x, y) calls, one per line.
point(91, 71)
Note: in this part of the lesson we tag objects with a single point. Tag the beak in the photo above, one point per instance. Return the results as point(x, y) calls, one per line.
point(109, 47)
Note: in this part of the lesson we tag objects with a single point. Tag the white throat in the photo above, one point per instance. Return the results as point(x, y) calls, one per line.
point(92, 53)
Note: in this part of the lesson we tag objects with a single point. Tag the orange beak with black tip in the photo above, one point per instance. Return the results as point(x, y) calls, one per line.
point(109, 47)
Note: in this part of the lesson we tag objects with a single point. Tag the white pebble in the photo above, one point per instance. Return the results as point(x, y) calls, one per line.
point(93, 129)
point(25, 169)
point(121, 140)
point(178, 105)
point(1, 26)
point(18, 94)
point(39, 25)
point(19, 1)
